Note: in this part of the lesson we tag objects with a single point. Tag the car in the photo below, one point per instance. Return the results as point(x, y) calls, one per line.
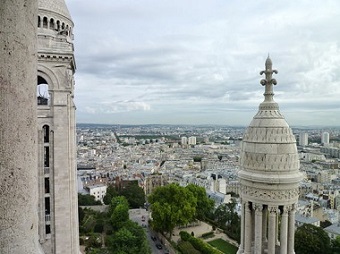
point(159, 246)
point(153, 238)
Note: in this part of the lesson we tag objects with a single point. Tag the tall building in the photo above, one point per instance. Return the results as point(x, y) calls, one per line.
point(325, 138)
point(184, 140)
point(303, 139)
point(192, 140)
point(58, 206)
point(269, 178)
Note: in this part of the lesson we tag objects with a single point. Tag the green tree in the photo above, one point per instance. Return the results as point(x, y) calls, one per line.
point(227, 218)
point(204, 205)
point(130, 239)
point(119, 212)
point(110, 194)
point(81, 214)
point(134, 194)
point(87, 200)
point(225, 213)
point(310, 239)
point(172, 205)
point(119, 200)
point(335, 243)
point(197, 158)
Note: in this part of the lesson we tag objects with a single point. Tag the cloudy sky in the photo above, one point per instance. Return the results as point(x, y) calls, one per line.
point(198, 61)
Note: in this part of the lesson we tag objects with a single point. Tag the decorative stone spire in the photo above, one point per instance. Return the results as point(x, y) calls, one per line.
point(268, 82)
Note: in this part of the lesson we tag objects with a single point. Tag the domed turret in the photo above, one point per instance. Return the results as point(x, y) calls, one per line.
point(269, 177)
point(55, 6)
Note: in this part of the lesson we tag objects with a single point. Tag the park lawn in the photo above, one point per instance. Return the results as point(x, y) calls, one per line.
point(223, 246)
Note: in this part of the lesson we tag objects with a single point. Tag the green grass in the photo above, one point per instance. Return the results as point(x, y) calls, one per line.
point(223, 246)
point(187, 248)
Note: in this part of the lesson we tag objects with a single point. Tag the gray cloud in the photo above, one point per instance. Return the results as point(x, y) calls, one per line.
point(198, 61)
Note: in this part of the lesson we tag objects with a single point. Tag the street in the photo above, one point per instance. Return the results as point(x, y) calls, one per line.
point(141, 216)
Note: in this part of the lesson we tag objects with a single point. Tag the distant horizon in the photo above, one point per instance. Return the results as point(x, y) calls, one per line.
point(221, 125)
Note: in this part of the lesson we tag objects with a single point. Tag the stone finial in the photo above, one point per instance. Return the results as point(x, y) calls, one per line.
point(268, 82)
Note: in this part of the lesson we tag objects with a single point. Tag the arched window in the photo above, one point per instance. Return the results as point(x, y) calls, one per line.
point(58, 25)
point(39, 21)
point(52, 24)
point(45, 22)
point(42, 92)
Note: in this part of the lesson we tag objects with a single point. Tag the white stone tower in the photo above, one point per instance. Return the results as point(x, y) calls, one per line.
point(269, 177)
point(58, 206)
point(18, 138)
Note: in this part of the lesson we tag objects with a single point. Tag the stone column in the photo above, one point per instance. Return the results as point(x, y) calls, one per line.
point(248, 229)
point(41, 187)
point(241, 247)
point(291, 229)
point(258, 228)
point(18, 128)
point(264, 224)
point(272, 229)
point(283, 231)
point(277, 228)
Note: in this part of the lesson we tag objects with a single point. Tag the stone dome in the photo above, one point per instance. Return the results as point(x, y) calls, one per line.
point(269, 159)
point(56, 6)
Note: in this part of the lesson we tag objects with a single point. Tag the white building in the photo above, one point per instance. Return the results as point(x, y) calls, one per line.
point(325, 138)
point(192, 140)
point(184, 140)
point(98, 191)
point(269, 179)
point(303, 139)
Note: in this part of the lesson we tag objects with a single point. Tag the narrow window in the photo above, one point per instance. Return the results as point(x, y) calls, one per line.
point(47, 206)
point(45, 22)
point(47, 185)
point(46, 130)
point(46, 156)
point(48, 229)
point(52, 24)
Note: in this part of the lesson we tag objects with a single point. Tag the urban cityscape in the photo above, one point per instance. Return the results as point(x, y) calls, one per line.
point(149, 134)
point(207, 156)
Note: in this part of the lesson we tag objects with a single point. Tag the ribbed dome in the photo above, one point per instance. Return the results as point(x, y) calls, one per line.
point(57, 6)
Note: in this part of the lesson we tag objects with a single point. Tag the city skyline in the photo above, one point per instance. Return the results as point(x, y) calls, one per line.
point(172, 62)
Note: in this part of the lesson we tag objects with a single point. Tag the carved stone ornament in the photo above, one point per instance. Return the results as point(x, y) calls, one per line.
point(270, 195)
